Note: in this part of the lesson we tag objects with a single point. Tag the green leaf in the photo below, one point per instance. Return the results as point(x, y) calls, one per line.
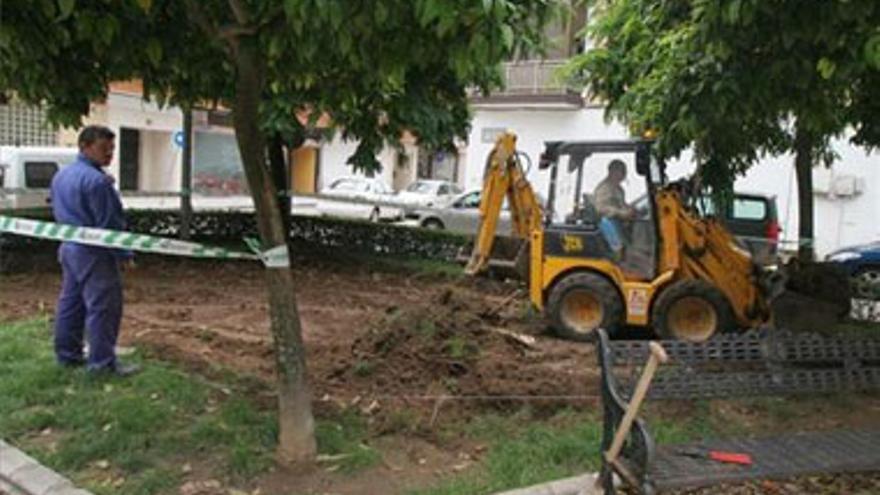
point(826, 68)
point(145, 5)
point(154, 52)
point(109, 27)
point(731, 13)
point(507, 37)
point(48, 7)
point(275, 49)
point(872, 51)
point(381, 13)
point(290, 9)
point(334, 11)
point(66, 7)
point(432, 9)
point(345, 41)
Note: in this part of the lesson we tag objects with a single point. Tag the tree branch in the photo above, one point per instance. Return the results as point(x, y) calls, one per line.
point(201, 19)
point(211, 28)
point(240, 12)
point(233, 31)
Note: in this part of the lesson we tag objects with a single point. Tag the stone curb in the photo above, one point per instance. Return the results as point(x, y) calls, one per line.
point(21, 474)
point(577, 485)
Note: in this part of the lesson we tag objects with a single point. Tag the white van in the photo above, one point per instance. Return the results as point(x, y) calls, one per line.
point(26, 173)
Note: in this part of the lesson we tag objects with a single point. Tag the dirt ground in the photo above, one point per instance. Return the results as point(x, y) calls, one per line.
point(209, 314)
point(409, 350)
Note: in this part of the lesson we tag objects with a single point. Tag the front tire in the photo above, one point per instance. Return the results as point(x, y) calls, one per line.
point(692, 310)
point(582, 303)
point(866, 284)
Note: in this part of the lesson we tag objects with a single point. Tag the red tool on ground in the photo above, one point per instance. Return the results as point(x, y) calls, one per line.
point(718, 456)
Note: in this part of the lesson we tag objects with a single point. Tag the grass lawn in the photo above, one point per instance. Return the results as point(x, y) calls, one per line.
point(524, 451)
point(146, 434)
point(152, 433)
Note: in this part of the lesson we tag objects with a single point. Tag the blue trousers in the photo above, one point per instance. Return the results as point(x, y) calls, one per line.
point(91, 299)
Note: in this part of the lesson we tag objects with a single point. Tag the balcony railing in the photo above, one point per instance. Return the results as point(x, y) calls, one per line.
point(535, 77)
point(532, 82)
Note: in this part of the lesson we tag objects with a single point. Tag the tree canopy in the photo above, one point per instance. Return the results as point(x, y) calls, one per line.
point(735, 79)
point(729, 76)
point(376, 67)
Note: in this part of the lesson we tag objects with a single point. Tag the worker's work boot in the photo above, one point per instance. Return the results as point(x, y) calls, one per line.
point(117, 369)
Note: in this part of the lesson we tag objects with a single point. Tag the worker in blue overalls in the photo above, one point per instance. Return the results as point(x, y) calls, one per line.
point(91, 289)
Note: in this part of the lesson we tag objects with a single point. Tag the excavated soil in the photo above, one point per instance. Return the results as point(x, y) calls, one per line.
point(376, 339)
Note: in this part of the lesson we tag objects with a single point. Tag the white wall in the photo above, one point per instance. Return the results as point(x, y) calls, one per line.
point(839, 221)
point(124, 110)
point(335, 154)
point(160, 160)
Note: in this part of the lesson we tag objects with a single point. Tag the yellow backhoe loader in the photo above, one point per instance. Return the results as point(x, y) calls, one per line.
point(667, 266)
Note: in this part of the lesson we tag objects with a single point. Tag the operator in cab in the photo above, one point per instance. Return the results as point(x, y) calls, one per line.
point(609, 196)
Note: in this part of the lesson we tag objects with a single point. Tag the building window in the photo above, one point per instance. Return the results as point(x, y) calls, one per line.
point(38, 175)
point(217, 165)
point(440, 165)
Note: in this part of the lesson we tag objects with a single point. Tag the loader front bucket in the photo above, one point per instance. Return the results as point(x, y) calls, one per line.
point(817, 296)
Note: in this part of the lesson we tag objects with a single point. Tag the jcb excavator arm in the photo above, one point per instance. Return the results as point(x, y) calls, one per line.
point(503, 178)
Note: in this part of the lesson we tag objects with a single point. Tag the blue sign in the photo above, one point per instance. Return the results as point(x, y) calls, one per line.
point(179, 138)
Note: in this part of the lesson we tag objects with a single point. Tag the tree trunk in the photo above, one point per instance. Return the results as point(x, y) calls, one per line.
point(186, 208)
point(296, 438)
point(803, 164)
point(278, 166)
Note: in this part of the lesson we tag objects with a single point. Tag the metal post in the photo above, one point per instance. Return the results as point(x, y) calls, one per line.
point(186, 209)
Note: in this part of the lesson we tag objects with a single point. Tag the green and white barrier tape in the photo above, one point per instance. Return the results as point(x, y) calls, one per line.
point(276, 257)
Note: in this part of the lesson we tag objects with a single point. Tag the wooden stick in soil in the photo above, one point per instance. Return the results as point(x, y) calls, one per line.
point(504, 303)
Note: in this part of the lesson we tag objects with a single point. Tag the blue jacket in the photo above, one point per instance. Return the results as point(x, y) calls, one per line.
point(83, 195)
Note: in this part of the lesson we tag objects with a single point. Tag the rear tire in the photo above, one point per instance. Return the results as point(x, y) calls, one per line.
point(581, 303)
point(692, 310)
point(433, 224)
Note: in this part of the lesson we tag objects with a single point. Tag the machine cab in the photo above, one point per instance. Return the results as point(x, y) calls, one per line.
point(591, 210)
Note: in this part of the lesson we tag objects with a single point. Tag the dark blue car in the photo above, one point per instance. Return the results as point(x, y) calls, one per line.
point(863, 265)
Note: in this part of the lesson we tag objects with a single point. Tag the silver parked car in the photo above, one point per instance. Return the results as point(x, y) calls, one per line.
point(427, 194)
point(462, 215)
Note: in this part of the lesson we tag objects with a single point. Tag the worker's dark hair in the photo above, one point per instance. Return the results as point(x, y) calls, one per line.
point(92, 133)
point(616, 165)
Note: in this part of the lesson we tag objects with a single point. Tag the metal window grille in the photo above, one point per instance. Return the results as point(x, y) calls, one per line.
point(25, 125)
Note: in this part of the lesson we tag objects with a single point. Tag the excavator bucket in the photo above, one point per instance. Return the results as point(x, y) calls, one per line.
point(504, 179)
point(815, 297)
point(509, 258)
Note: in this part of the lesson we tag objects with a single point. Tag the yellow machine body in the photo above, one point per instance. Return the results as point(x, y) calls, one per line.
point(688, 247)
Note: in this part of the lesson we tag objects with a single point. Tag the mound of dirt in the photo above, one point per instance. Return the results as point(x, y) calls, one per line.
point(453, 348)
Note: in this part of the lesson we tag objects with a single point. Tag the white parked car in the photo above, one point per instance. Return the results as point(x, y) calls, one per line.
point(427, 194)
point(359, 198)
point(26, 173)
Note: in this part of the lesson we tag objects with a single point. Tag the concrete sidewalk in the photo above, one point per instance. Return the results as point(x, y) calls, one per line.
point(21, 474)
